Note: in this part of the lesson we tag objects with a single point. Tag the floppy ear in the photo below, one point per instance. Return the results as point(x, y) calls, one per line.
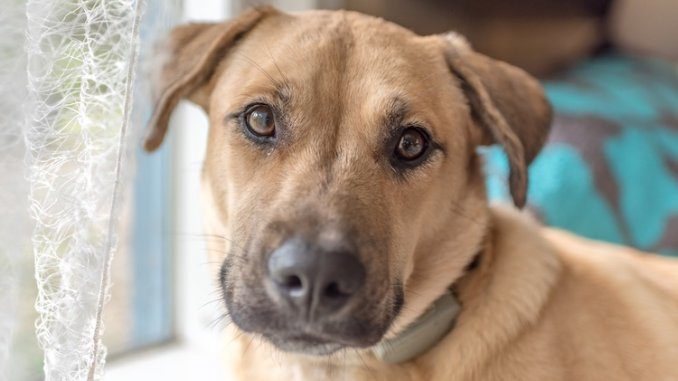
point(507, 103)
point(191, 55)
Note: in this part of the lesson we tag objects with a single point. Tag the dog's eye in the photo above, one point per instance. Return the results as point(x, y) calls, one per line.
point(412, 144)
point(260, 121)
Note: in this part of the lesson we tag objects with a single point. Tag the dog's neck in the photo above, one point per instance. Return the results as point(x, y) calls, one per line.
point(494, 311)
point(428, 329)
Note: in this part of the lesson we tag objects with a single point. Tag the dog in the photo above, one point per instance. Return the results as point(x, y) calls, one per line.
point(342, 176)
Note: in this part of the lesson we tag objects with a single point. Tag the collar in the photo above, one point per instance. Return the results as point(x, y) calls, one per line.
point(425, 332)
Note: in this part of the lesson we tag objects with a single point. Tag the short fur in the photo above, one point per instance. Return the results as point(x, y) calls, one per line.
point(541, 304)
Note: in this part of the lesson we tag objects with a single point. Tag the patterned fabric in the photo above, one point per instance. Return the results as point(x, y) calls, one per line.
point(610, 168)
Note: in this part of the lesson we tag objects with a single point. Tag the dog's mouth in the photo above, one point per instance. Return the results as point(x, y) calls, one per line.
point(318, 339)
point(359, 328)
point(309, 344)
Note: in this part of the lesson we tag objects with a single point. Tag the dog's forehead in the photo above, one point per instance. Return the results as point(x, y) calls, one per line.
point(337, 28)
point(339, 69)
point(334, 48)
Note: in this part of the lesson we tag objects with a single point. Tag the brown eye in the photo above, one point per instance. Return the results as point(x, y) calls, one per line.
point(260, 121)
point(412, 144)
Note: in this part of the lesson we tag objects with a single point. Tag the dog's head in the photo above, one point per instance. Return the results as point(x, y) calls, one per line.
point(341, 165)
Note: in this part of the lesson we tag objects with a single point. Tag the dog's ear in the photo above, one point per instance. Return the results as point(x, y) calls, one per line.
point(190, 56)
point(507, 103)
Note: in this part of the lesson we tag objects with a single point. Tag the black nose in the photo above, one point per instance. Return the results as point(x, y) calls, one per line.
point(316, 282)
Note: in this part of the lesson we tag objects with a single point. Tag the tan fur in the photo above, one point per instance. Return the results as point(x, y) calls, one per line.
point(542, 305)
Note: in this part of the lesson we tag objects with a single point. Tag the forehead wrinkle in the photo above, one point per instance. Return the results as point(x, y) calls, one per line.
point(343, 42)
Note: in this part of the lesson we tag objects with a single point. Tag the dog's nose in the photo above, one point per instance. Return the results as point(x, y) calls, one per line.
point(318, 282)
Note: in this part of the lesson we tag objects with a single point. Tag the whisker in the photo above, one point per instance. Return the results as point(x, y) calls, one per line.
point(275, 63)
point(255, 64)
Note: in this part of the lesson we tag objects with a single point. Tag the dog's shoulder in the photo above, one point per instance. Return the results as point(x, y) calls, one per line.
point(607, 306)
point(614, 307)
point(625, 267)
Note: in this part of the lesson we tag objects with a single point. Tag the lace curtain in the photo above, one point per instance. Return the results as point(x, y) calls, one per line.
point(67, 134)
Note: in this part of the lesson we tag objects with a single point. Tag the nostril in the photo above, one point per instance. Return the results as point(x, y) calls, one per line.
point(334, 291)
point(292, 282)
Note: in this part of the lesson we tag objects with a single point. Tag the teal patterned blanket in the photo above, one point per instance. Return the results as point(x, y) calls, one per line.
point(610, 168)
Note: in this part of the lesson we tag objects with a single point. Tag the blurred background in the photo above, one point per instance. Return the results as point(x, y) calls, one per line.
point(609, 171)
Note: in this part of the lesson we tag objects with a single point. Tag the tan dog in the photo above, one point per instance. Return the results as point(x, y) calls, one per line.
point(341, 173)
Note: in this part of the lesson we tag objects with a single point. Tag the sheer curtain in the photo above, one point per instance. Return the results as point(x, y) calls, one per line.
point(67, 80)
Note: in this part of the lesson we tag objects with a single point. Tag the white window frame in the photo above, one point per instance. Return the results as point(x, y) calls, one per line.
point(195, 354)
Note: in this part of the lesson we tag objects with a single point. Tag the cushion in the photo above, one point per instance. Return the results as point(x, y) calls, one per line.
point(609, 170)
